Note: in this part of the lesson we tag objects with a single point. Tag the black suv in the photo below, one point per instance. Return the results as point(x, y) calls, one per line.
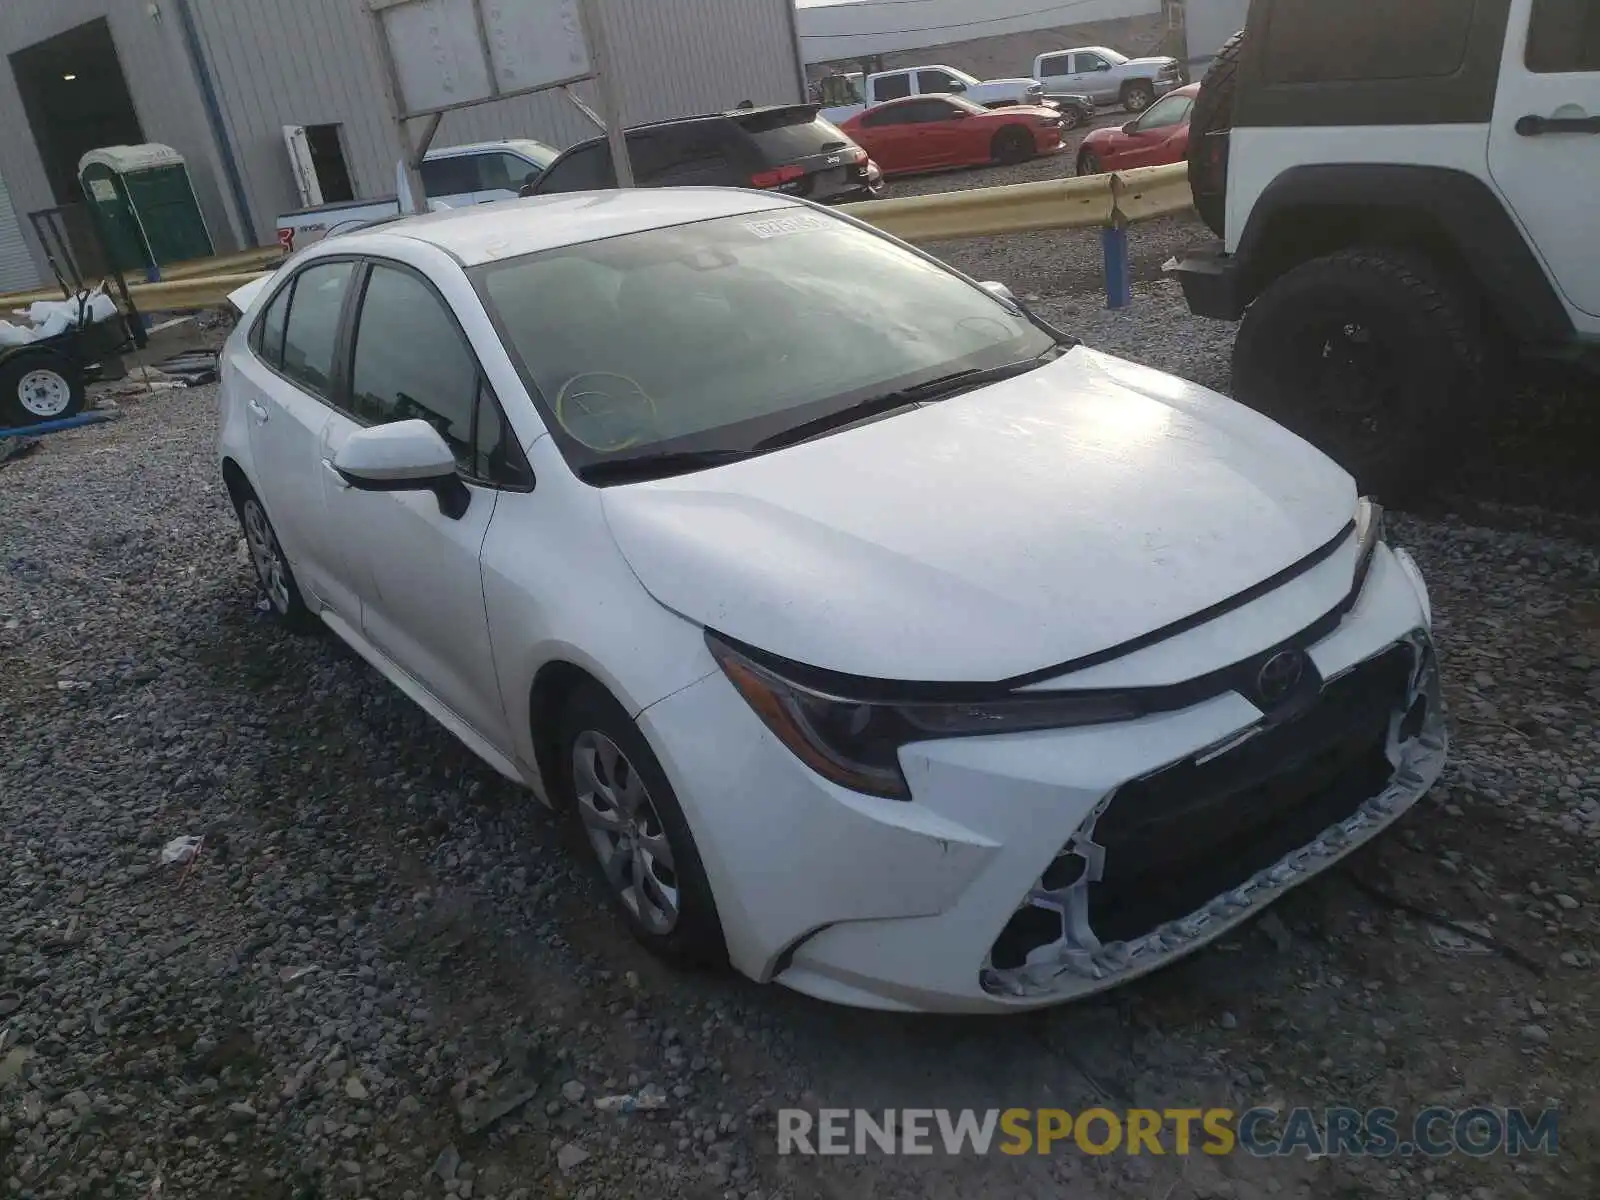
point(785, 148)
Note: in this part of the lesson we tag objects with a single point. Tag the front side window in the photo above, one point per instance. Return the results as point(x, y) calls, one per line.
point(892, 87)
point(411, 361)
point(1086, 63)
point(937, 81)
point(312, 328)
point(1167, 113)
point(582, 170)
point(1564, 36)
point(724, 333)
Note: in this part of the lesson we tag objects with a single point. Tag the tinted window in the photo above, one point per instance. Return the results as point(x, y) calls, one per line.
point(269, 330)
point(1056, 64)
point(411, 361)
point(313, 324)
point(695, 156)
point(502, 172)
point(937, 81)
point(892, 87)
point(1166, 113)
point(581, 170)
point(923, 112)
point(1087, 62)
point(1313, 41)
point(786, 137)
point(889, 114)
point(450, 176)
point(1564, 36)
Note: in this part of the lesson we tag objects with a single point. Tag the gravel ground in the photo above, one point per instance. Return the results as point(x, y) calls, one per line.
point(387, 975)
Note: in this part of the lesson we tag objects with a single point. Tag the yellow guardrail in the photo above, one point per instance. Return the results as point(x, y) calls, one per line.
point(1091, 201)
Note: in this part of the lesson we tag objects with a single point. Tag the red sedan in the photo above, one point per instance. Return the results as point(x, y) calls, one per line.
point(1158, 135)
point(930, 133)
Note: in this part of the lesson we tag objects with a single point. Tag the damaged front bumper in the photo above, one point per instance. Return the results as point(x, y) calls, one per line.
point(1054, 946)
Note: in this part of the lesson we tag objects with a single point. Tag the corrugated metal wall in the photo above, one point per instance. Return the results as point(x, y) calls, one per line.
point(311, 62)
point(17, 270)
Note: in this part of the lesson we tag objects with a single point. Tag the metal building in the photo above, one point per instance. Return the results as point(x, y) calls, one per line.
point(219, 80)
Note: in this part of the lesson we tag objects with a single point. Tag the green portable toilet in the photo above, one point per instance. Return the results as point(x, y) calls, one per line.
point(145, 204)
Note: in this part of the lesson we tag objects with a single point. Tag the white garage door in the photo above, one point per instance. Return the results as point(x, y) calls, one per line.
point(17, 270)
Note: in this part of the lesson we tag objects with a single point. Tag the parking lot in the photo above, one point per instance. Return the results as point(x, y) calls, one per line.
point(382, 945)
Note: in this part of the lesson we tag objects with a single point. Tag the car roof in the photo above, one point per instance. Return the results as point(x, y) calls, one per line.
point(734, 115)
point(522, 144)
point(484, 233)
point(902, 101)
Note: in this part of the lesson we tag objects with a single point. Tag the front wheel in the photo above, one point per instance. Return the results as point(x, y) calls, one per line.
point(1089, 163)
point(39, 386)
point(637, 833)
point(271, 564)
point(1013, 145)
point(1137, 97)
point(1370, 355)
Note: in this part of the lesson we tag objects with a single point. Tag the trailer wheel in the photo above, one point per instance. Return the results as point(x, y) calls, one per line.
point(39, 386)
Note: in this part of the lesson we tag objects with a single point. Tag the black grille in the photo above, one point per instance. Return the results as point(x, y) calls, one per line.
point(1179, 838)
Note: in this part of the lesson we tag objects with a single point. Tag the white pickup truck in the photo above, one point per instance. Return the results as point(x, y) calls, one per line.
point(843, 96)
point(453, 176)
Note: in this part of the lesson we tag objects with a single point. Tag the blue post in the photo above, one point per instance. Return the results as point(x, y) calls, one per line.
point(88, 418)
point(1119, 279)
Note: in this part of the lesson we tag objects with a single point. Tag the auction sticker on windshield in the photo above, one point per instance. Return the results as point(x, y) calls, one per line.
point(773, 227)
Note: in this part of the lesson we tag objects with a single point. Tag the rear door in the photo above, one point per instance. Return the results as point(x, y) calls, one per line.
point(1544, 145)
point(888, 135)
point(796, 138)
point(1055, 73)
point(287, 382)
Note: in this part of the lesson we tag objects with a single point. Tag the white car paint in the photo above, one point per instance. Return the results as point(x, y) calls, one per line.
point(989, 535)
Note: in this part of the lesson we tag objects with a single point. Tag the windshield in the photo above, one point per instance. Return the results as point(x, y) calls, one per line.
point(724, 334)
point(1113, 56)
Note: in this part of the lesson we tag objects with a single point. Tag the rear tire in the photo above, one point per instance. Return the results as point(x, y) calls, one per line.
point(634, 830)
point(38, 386)
point(1210, 122)
point(1013, 145)
point(1136, 97)
point(1370, 355)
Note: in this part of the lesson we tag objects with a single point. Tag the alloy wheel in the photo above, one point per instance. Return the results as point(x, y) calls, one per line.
point(266, 554)
point(625, 831)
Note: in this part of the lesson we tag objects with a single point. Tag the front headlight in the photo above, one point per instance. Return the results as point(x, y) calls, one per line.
point(856, 742)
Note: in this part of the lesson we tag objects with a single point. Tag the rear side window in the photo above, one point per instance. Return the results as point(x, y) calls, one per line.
point(1058, 64)
point(1564, 36)
point(691, 156)
point(269, 330)
point(1313, 41)
point(411, 361)
point(891, 87)
point(786, 137)
point(313, 325)
point(891, 114)
point(584, 169)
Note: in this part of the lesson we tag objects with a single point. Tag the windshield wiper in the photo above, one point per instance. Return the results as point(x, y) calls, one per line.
point(939, 388)
point(657, 464)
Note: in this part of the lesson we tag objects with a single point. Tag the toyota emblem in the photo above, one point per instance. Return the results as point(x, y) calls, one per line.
point(1280, 675)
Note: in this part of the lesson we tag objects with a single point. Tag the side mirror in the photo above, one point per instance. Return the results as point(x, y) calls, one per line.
point(1105, 66)
point(1002, 293)
point(957, 86)
point(406, 456)
point(1132, 126)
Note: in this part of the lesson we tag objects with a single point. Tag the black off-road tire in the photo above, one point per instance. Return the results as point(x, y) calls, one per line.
point(1013, 145)
point(1372, 355)
point(696, 939)
point(1210, 123)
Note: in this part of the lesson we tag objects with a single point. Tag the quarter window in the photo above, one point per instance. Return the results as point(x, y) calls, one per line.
point(1312, 41)
point(411, 361)
point(313, 324)
point(269, 330)
point(1564, 36)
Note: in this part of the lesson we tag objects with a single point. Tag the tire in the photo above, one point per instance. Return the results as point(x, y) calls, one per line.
point(672, 914)
point(1071, 118)
point(1013, 145)
point(1372, 356)
point(1089, 163)
point(1210, 121)
point(1136, 97)
point(38, 386)
point(271, 564)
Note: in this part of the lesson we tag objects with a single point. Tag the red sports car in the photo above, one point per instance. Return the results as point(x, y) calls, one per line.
point(930, 133)
point(1158, 135)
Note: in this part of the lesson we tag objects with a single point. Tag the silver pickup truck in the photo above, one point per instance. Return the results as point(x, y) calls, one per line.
point(454, 176)
point(1107, 77)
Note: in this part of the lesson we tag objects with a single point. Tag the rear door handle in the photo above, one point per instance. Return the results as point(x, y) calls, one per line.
point(259, 411)
point(333, 471)
point(1536, 126)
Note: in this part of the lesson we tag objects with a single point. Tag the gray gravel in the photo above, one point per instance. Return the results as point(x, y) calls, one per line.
point(386, 973)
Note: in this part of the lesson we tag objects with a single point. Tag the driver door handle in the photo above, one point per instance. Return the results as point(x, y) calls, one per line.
point(259, 411)
point(333, 473)
point(1536, 126)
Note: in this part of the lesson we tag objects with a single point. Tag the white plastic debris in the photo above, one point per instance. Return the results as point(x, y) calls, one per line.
point(648, 1099)
point(180, 850)
point(50, 318)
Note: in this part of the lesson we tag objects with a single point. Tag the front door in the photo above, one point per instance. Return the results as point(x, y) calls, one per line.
point(416, 570)
point(1544, 146)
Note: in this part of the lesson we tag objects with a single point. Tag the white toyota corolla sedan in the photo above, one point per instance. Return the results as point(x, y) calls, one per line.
point(886, 642)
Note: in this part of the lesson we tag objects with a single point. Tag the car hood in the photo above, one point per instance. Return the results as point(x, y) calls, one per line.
point(1157, 60)
point(1013, 528)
